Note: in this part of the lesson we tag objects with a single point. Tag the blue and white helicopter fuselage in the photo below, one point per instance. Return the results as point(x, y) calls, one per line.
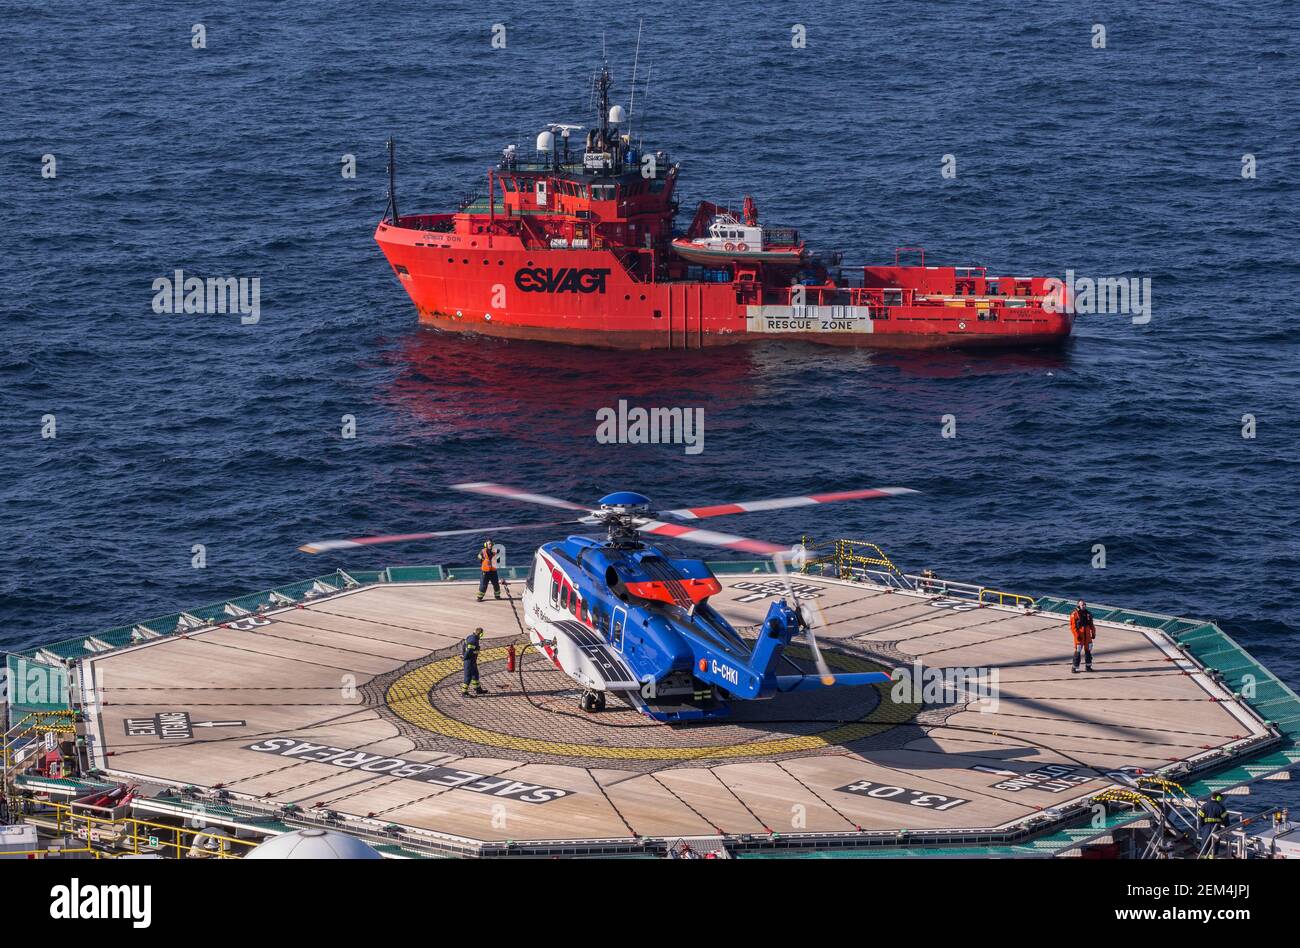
point(630, 620)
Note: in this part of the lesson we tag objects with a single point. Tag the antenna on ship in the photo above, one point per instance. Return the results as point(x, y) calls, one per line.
point(641, 141)
point(631, 103)
point(392, 179)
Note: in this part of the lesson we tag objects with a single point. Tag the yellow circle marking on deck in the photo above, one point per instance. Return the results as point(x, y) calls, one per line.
point(407, 697)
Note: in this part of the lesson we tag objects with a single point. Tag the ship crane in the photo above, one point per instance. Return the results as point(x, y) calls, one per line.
point(564, 131)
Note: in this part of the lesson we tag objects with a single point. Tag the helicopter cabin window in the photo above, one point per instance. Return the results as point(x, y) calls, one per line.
point(556, 581)
point(532, 575)
point(563, 595)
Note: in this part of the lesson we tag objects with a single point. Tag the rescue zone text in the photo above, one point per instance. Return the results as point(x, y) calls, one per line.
point(397, 767)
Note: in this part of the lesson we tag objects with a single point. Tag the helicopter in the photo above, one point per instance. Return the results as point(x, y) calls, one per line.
point(620, 616)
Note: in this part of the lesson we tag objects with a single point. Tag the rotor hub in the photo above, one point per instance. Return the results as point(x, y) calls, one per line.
point(625, 501)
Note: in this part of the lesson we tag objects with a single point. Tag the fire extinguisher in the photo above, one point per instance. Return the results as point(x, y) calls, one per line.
point(510, 657)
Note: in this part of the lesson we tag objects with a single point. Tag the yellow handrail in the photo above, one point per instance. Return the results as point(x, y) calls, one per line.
point(64, 721)
point(61, 722)
point(47, 853)
point(846, 555)
point(1002, 597)
point(1121, 795)
point(847, 551)
point(1162, 783)
point(63, 811)
point(811, 555)
point(861, 553)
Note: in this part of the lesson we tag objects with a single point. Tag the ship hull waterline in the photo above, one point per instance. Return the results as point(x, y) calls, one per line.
point(679, 338)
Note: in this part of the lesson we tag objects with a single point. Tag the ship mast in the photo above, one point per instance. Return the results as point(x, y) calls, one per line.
point(392, 179)
point(602, 91)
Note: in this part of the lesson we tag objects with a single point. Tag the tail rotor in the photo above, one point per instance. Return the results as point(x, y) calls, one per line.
point(810, 615)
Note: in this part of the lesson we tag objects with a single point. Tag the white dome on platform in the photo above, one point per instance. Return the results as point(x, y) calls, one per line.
point(313, 844)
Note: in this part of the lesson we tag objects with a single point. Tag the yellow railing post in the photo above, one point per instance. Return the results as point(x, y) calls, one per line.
point(1016, 598)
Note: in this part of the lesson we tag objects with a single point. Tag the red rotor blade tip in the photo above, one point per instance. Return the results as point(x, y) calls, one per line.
point(780, 503)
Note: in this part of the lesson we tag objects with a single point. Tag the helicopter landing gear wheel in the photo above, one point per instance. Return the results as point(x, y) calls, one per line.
point(593, 701)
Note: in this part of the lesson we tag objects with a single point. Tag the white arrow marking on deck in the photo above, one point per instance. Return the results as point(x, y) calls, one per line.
point(218, 723)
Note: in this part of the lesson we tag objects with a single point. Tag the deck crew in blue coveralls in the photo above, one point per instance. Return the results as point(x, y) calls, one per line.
point(469, 657)
point(1211, 817)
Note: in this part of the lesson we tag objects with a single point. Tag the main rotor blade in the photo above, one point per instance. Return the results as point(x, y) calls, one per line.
point(325, 546)
point(777, 503)
point(709, 537)
point(514, 493)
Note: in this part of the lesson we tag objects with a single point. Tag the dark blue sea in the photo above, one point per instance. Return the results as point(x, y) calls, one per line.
point(176, 430)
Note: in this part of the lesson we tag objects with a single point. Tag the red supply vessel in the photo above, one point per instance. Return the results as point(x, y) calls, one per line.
point(580, 248)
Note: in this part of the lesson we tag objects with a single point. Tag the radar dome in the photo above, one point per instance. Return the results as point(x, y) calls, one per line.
point(616, 115)
point(313, 844)
point(546, 141)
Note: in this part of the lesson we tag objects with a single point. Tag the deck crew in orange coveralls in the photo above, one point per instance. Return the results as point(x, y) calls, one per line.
point(487, 564)
point(1084, 630)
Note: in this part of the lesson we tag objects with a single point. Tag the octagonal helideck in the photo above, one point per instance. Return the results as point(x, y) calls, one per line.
point(351, 702)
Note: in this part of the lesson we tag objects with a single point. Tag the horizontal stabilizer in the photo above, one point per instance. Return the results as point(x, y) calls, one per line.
point(788, 683)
